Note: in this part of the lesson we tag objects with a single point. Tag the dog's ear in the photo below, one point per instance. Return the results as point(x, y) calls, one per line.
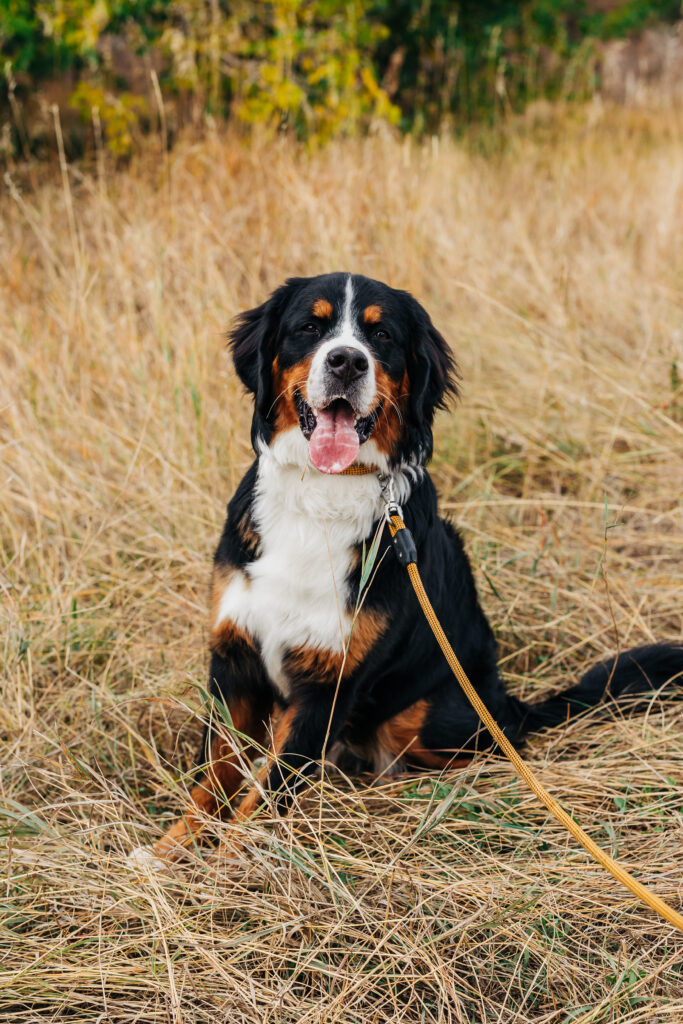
point(252, 342)
point(433, 375)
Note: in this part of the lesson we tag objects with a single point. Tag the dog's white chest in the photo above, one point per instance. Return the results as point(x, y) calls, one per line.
point(296, 592)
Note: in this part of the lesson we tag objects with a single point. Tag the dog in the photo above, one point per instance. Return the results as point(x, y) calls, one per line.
point(346, 374)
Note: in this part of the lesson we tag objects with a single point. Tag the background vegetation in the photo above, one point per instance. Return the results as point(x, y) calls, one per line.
point(234, 145)
point(315, 68)
point(553, 267)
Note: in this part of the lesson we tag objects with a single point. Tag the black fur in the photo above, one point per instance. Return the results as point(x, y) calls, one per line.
point(433, 375)
point(406, 666)
point(253, 349)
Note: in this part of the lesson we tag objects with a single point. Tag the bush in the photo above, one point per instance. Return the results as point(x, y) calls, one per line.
point(316, 68)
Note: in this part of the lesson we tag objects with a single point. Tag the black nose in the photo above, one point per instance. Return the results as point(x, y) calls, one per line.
point(347, 364)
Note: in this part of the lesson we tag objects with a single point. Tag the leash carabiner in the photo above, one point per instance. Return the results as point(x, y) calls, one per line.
point(391, 506)
point(401, 537)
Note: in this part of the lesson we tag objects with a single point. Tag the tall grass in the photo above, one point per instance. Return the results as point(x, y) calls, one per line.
point(554, 268)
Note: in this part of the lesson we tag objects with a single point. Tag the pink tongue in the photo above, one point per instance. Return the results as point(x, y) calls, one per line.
point(334, 443)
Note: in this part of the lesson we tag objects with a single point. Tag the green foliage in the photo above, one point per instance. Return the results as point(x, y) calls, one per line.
point(477, 58)
point(304, 66)
point(118, 115)
point(317, 68)
point(313, 70)
point(76, 26)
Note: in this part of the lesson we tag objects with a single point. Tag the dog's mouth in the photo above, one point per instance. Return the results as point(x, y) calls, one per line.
point(334, 432)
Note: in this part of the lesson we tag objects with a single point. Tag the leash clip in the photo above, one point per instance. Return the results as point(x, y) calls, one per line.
point(391, 506)
point(401, 537)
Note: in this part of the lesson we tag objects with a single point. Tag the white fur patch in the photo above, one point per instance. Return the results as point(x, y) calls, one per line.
point(345, 334)
point(296, 592)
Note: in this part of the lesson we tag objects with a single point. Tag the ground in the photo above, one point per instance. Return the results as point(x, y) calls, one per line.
point(550, 259)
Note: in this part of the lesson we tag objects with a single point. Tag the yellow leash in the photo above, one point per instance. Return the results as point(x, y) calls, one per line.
point(405, 549)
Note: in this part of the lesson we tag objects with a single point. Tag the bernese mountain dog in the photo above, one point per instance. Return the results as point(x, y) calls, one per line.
point(316, 650)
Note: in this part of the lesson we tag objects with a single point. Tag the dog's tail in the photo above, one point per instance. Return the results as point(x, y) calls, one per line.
point(638, 671)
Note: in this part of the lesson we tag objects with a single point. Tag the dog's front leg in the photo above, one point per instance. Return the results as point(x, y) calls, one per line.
point(236, 681)
point(311, 723)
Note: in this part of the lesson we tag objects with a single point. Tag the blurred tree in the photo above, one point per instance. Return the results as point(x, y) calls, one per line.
point(318, 68)
point(445, 61)
point(312, 69)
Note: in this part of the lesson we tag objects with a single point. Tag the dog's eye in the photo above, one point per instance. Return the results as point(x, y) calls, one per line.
point(380, 333)
point(310, 329)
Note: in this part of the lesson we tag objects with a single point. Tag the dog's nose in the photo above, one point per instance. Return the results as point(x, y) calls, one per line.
point(347, 364)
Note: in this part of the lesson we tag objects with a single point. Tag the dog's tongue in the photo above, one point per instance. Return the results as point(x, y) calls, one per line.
point(334, 443)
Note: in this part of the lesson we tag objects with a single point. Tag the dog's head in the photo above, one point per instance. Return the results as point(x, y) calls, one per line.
point(345, 361)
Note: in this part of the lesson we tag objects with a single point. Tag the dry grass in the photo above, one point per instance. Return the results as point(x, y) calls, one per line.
point(555, 269)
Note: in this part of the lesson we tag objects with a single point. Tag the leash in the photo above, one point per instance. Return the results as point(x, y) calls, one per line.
point(406, 552)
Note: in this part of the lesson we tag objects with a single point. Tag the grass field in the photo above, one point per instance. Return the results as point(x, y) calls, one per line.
point(554, 265)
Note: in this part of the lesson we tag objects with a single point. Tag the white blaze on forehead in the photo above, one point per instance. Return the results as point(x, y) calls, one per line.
point(348, 305)
point(346, 334)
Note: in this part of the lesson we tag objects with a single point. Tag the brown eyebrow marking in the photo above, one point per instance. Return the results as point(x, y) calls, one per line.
point(322, 308)
point(372, 314)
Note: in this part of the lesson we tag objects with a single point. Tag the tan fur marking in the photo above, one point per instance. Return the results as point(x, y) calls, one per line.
point(249, 538)
point(285, 383)
point(326, 665)
point(372, 314)
point(322, 309)
point(367, 629)
point(310, 661)
point(222, 781)
point(390, 425)
point(251, 802)
point(400, 737)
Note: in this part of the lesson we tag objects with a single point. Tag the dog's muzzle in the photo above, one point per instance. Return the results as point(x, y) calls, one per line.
point(334, 430)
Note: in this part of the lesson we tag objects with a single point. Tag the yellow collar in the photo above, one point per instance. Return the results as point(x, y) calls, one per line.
point(357, 469)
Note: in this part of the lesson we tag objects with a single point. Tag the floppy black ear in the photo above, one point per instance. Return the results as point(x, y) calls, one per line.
point(252, 342)
point(433, 377)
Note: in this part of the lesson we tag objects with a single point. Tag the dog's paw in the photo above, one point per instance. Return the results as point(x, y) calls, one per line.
point(145, 861)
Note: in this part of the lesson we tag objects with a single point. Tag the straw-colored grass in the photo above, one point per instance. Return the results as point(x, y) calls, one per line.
point(554, 268)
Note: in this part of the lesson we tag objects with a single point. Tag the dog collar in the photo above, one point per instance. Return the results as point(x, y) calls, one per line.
point(358, 470)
